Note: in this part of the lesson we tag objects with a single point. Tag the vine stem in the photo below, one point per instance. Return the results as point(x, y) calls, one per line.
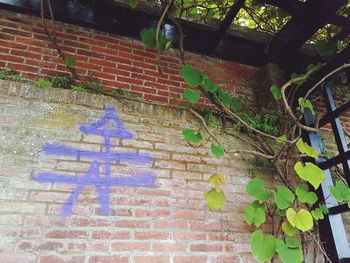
point(217, 141)
point(159, 24)
point(320, 247)
point(286, 104)
point(344, 66)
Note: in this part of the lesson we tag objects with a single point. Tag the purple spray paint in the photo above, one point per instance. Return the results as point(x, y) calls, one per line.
point(106, 157)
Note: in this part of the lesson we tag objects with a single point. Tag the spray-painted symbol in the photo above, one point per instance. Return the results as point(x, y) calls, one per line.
point(105, 158)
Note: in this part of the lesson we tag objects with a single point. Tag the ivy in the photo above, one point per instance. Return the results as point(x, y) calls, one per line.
point(306, 105)
point(310, 173)
point(317, 214)
point(290, 251)
point(303, 147)
point(216, 197)
point(191, 95)
point(283, 197)
point(305, 196)
point(263, 247)
point(301, 219)
point(288, 229)
point(192, 136)
point(148, 38)
point(276, 92)
point(255, 188)
point(70, 62)
point(210, 86)
point(341, 192)
point(217, 150)
point(255, 214)
point(191, 76)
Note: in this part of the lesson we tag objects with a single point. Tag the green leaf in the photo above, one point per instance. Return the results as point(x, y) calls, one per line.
point(282, 139)
point(310, 172)
point(303, 147)
point(255, 188)
point(263, 247)
point(305, 196)
point(164, 43)
point(276, 92)
point(324, 209)
point(215, 199)
point(295, 76)
point(210, 86)
point(41, 83)
point(191, 76)
point(340, 191)
point(283, 197)
point(70, 62)
point(317, 214)
point(306, 105)
point(191, 95)
point(340, 46)
point(217, 150)
point(192, 136)
point(281, 212)
point(255, 214)
point(133, 3)
point(236, 103)
point(79, 88)
point(168, 45)
point(291, 252)
point(325, 48)
point(148, 37)
point(288, 229)
point(301, 220)
point(292, 242)
point(217, 179)
point(225, 98)
point(310, 67)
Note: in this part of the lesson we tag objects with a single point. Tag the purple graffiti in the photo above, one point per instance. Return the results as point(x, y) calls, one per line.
point(105, 158)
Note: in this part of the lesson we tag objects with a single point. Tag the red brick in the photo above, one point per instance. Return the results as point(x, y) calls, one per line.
point(151, 259)
point(61, 259)
point(151, 235)
point(110, 234)
point(90, 54)
point(189, 236)
point(101, 50)
point(132, 224)
point(190, 259)
point(66, 234)
point(109, 259)
point(170, 247)
point(206, 247)
point(131, 246)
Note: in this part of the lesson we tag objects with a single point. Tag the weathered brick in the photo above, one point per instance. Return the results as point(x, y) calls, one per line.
point(151, 259)
point(109, 259)
point(190, 259)
point(151, 235)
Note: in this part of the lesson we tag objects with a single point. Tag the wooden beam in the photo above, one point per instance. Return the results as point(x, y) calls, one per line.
point(225, 24)
point(296, 32)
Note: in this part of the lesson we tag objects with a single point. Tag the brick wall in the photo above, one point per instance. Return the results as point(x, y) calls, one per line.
point(169, 222)
point(119, 62)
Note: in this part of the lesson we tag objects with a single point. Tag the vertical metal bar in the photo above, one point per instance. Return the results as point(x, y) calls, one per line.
point(337, 130)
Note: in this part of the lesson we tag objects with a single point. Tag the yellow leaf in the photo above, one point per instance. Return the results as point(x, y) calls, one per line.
point(217, 179)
